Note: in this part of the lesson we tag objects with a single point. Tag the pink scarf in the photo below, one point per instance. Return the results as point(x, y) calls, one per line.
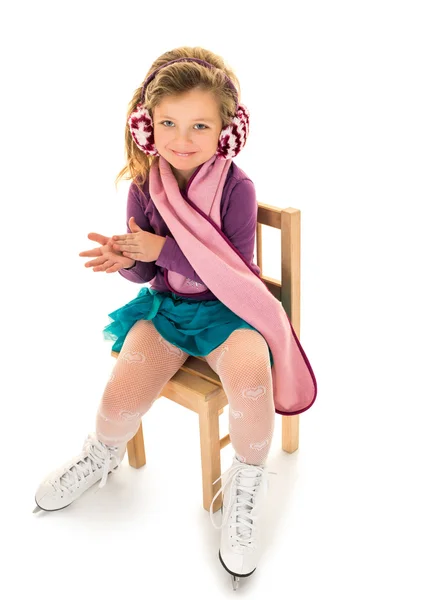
point(196, 227)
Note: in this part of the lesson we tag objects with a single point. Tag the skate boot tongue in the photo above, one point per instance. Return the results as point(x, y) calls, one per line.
point(85, 463)
point(249, 478)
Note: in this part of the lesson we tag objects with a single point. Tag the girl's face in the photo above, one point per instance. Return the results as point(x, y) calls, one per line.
point(189, 124)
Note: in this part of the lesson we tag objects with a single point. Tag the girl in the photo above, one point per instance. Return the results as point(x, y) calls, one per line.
point(191, 221)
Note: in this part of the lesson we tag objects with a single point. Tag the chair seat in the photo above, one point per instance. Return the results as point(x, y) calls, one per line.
point(197, 365)
point(195, 383)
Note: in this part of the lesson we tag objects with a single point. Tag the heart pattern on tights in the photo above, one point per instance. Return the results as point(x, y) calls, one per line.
point(254, 393)
point(126, 415)
point(171, 348)
point(236, 414)
point(134, 357)
point(259, 445)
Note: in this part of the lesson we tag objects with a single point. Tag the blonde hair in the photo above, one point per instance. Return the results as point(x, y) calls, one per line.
point(173, 80)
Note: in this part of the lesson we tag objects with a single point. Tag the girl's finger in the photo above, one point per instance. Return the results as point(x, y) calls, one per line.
point(105, 266)
point(92, 263)
point(97, 237)
point(124, 246)
point(115, 267)
point(129, 241)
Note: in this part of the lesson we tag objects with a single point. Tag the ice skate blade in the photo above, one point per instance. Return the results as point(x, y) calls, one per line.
point(38, 509)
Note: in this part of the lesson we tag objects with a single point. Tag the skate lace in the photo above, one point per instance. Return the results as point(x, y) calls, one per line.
point(97, 455)
point(241, 503)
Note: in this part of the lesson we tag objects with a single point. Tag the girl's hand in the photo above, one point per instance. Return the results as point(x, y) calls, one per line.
point(139, 244)
point(108, 260)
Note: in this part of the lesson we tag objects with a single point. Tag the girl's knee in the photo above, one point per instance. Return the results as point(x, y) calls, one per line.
point(248, 343)
point(245, 359)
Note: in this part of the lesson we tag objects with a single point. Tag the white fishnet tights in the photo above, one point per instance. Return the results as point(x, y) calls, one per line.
point(242, 363)
point(147, 362)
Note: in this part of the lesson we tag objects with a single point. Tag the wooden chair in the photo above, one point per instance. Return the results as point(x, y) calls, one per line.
point(197, 387)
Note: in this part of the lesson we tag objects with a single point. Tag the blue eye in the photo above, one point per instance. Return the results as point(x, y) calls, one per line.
point(167, 121)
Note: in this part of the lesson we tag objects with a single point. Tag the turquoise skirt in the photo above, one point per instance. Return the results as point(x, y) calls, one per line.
point(195, 327)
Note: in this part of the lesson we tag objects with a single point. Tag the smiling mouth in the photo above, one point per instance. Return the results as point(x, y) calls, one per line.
point(183, 155)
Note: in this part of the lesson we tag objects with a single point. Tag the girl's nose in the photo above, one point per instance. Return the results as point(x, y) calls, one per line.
point(183, 134)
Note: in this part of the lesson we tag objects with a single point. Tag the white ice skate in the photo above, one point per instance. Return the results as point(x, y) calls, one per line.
point(66, 484)
point(244, 487)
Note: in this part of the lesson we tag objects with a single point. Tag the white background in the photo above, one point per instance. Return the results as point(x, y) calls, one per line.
point(339, 99)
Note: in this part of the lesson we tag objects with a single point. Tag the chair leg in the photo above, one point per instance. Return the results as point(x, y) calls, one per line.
point(136, 449)
point(290, 433)
point(210, 455)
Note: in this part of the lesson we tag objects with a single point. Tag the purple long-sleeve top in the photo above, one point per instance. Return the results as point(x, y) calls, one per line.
point(239, 208)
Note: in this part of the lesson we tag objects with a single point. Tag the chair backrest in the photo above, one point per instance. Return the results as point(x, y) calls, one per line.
point(287, 291)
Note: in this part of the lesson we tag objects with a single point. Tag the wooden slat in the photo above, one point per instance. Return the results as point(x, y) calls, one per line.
point(224, 441)
point(136, 449)
point(290, 294)
point(290, 266)
point(259, 240)
point(290, 433)
point(269, 215)
point(210, 454)
point(274, 285)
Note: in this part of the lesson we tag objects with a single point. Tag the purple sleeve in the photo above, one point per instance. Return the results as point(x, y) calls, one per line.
point(142, 271)
point(172, 258)
point(240, 220)
point(238, 225)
